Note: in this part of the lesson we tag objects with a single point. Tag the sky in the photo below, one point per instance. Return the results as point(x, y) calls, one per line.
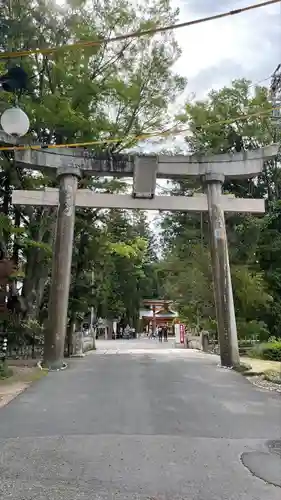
point(247, 45)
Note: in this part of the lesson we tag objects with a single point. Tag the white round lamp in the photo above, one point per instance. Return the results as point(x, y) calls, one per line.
point(15, 122)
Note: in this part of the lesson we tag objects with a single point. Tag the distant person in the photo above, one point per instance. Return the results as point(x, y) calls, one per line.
point(165, 333)
point(160, 334)
point(127, 332)
point(151, 334)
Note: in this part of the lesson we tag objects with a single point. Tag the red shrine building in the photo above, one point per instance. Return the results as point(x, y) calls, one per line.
point(157, 312)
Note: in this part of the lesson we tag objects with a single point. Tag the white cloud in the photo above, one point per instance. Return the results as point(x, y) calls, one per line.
point(214, 53)
point(246, 45)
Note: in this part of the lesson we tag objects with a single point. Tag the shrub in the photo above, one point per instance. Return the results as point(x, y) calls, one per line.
point(210, 325)
point(256, 351)
point(252, 330)
point(269, 351)
point(272, 339)
point(272, 351)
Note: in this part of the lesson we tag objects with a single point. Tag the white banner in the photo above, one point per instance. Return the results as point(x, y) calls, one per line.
point(177, 333)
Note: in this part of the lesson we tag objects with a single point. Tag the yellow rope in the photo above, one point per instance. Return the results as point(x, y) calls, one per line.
point(140, 137)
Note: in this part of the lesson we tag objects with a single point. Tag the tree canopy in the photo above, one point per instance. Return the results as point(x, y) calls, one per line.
point(221, 124)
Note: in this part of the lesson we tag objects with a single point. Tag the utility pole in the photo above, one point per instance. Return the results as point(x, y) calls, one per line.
point(92, 331)
point(275, 94)
point(275, 97)
point(225, 312)
point(61, 271)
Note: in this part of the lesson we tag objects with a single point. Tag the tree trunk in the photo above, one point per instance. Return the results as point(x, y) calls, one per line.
point(37, 267)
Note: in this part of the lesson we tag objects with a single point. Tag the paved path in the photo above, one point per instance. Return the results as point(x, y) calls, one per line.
point(148, 423)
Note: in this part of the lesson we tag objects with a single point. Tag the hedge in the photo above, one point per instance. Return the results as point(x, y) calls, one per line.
point(269, 351)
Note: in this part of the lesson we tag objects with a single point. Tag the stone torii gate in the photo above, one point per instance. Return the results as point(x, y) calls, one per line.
point(212, 170)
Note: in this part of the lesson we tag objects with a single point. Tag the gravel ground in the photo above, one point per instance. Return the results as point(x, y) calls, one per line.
point(259, 381)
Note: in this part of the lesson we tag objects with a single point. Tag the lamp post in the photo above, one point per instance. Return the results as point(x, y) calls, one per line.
point(92, 330)
point(15, 122)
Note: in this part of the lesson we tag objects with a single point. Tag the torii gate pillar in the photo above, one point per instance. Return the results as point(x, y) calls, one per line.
point(61, 269)
point(223, 294)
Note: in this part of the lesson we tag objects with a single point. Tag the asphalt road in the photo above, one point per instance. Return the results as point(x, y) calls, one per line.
point(137, 421)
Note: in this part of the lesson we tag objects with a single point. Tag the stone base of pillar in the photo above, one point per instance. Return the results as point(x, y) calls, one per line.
point(78, 345)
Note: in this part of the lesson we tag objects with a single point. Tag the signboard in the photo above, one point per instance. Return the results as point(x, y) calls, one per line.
point(177, 333)
point(182, 332)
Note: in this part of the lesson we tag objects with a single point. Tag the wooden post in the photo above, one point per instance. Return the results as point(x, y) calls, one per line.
point(226, 322)
point(61, 272)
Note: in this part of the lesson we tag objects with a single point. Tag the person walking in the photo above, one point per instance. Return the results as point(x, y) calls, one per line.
point(165, 333)
point(160, 333)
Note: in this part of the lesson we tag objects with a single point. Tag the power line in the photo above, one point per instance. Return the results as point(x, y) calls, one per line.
point(134, 34)
point(260, 81)
point(140, 137)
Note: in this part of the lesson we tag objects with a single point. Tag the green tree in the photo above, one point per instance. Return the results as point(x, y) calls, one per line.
point(219, 124)
point(268, 255)
point(93, 93)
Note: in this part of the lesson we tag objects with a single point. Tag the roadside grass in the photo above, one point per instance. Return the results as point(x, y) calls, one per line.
point(20, 378)
point(22, 374)
point(262, 365)
point(266, 371)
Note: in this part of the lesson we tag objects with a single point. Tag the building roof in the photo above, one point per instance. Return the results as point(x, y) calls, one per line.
point(156, 302)
point(147, 313)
